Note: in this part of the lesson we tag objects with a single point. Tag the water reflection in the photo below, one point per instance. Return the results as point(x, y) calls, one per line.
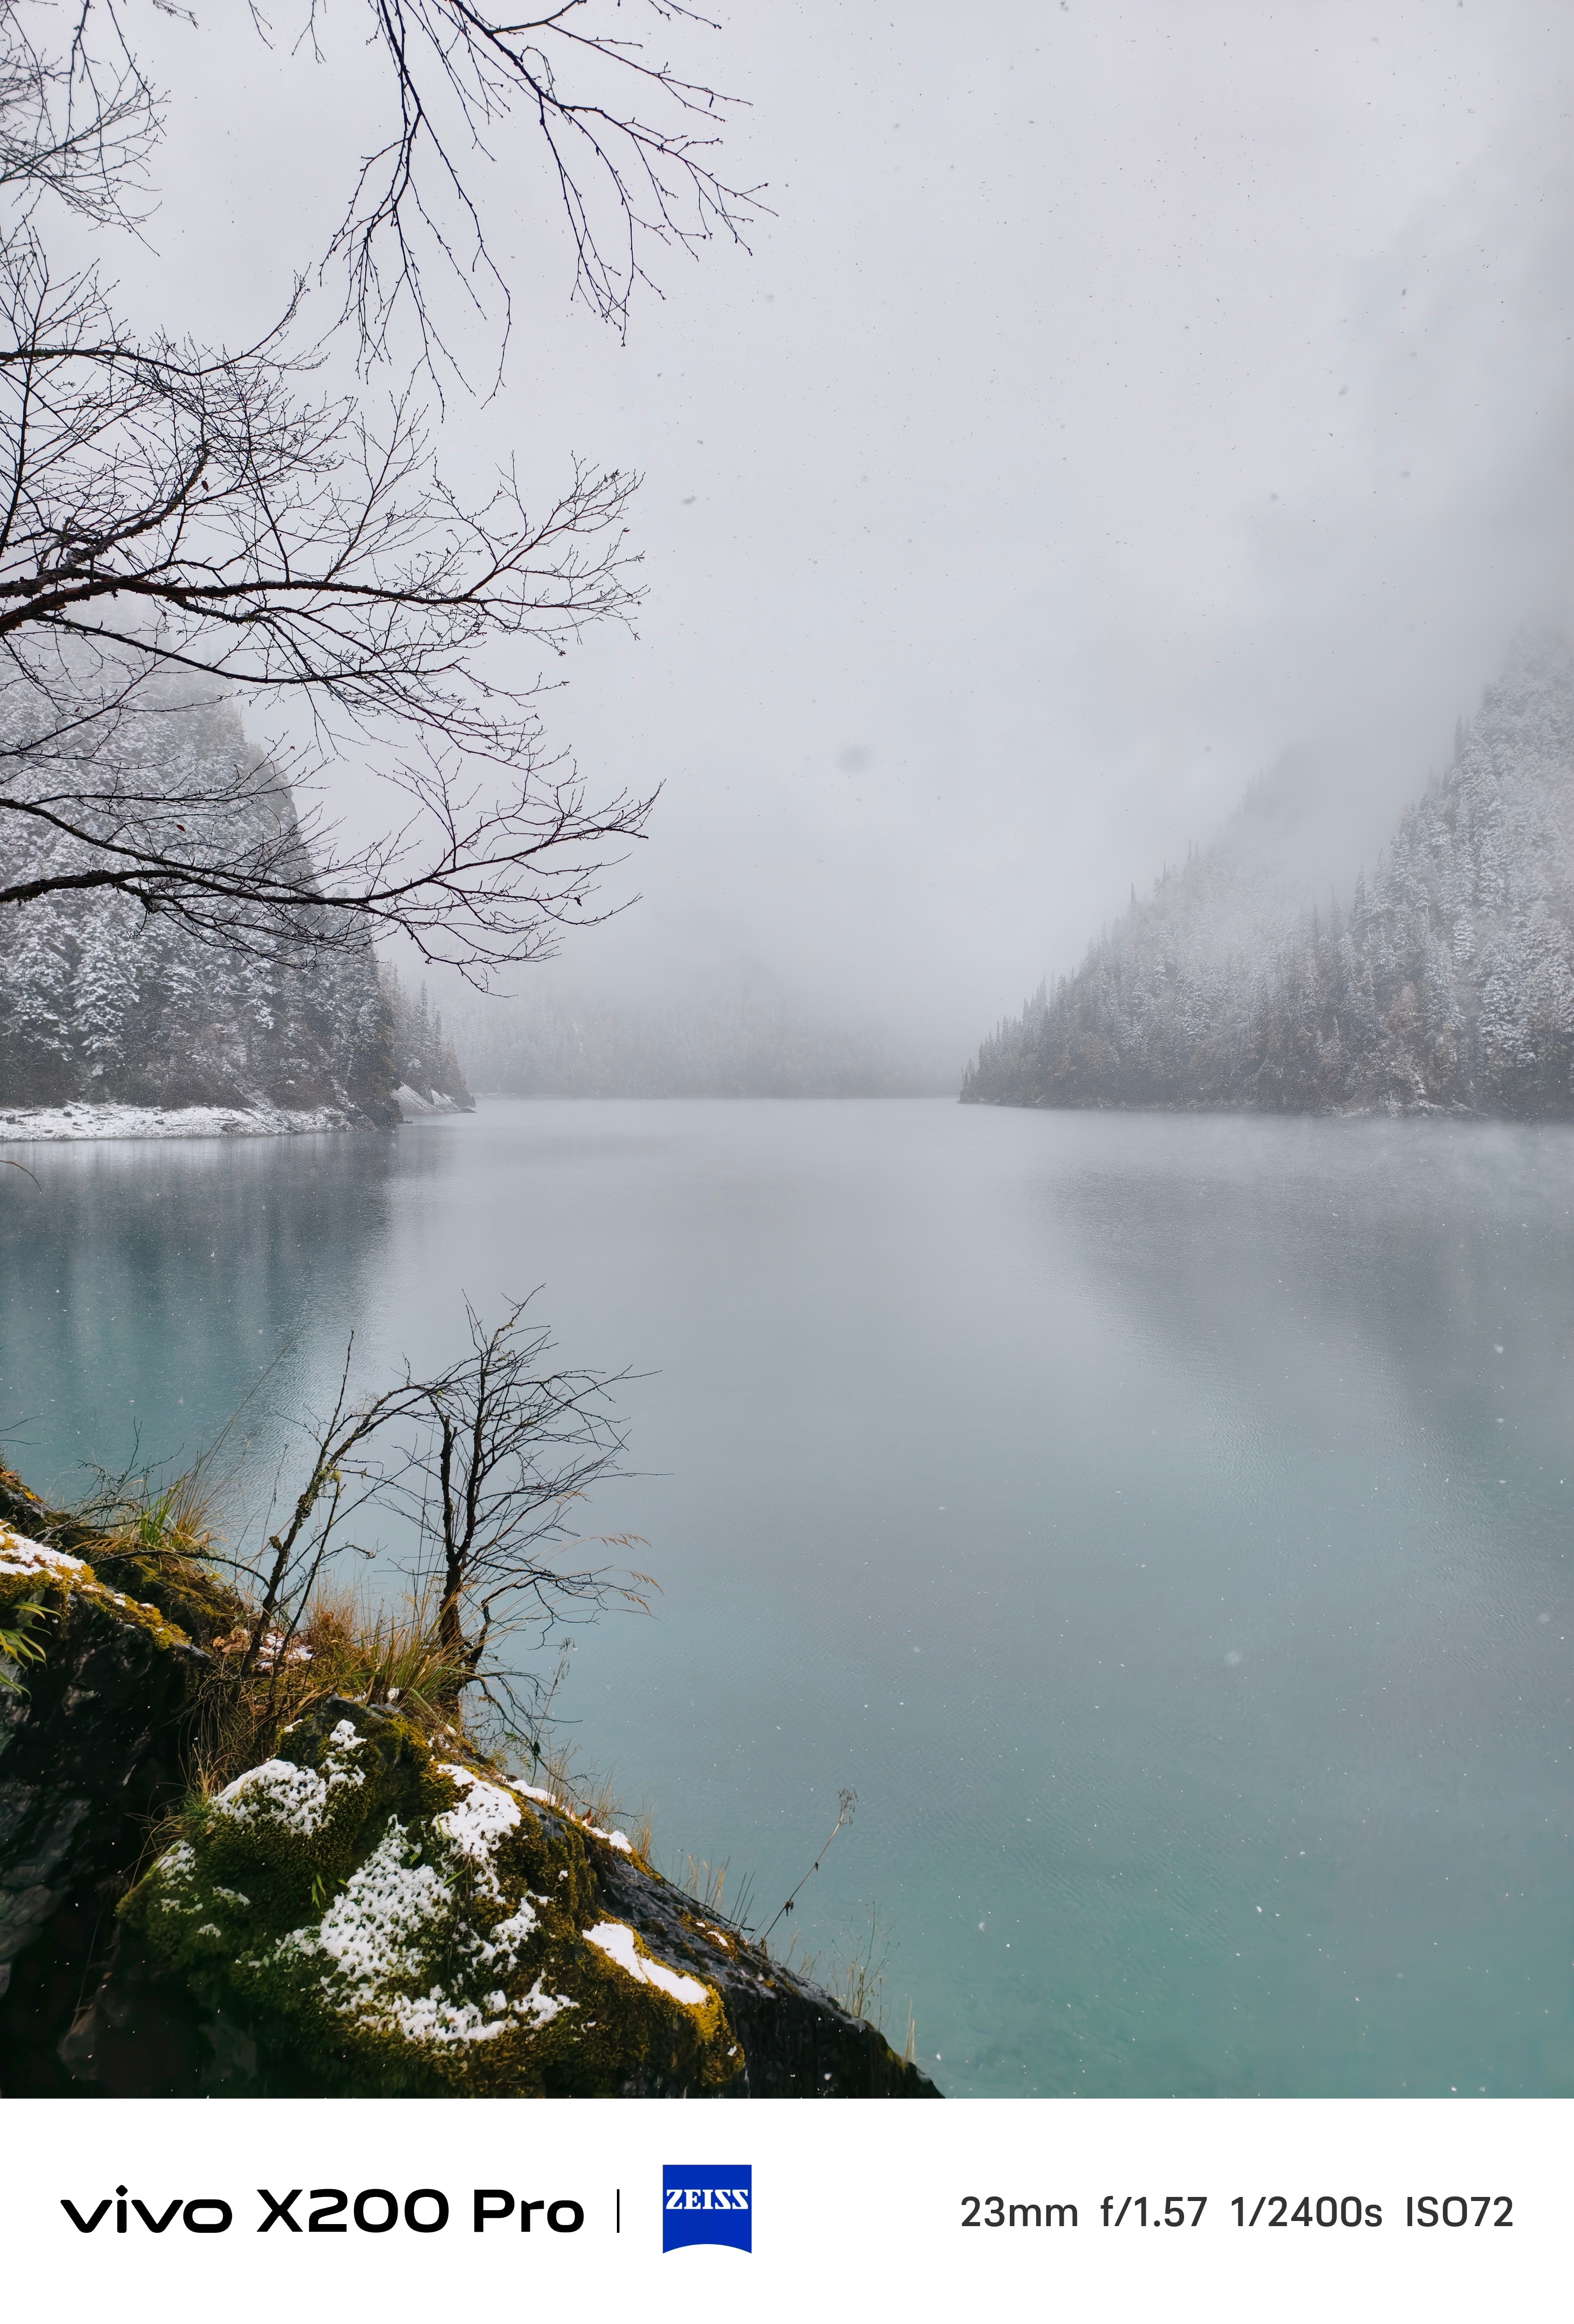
point(1321, 1583)
point(150, 1285)
point(1437, 1258)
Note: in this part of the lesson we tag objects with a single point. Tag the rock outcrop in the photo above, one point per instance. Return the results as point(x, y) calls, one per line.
point(367, 1912)
point(90, 1755)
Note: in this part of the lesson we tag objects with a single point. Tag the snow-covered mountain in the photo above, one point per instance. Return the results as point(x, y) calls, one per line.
point(102, 1002)
point(1447, 981)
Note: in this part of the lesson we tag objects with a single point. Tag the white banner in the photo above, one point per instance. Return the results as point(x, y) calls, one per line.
point(1113, 2209)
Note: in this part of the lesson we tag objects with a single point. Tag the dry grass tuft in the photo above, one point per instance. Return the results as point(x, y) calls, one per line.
point(705, 1883)
point(854, 1979)
point(181, 1520)
point(394, 1662)
point(587, 1793)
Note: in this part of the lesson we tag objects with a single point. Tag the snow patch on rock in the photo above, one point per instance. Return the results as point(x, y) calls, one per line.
point(477, 1822)
point(20, 1555)
point(412, 1104)
point(616, 1940)
point(296, 1797)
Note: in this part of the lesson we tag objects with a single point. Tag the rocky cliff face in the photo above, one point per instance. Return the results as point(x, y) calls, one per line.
point(90, 1756)
point(360, 1915)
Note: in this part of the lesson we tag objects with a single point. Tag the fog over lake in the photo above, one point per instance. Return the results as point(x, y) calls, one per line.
point(1161, 1522)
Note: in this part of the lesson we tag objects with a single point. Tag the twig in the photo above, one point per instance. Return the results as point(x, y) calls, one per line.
point(847, 1802)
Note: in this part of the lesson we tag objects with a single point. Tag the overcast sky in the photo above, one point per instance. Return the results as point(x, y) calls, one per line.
point(1118, 396)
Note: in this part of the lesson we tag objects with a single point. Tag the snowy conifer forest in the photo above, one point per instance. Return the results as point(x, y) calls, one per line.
point(1445, 983)
point(428, 1073)
point(104, 1003)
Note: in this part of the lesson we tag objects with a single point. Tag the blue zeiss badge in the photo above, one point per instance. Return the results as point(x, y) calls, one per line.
point(707, 2203)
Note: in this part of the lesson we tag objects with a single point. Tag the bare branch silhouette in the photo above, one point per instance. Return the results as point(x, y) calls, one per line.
point(177, 526)
point(628, 140)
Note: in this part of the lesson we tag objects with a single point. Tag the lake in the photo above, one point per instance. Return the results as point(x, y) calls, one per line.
point(1163, 1523)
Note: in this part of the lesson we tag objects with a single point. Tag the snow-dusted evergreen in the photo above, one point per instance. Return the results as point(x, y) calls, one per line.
point(102, 1001)
point(1447, 983)
point(425, 1065)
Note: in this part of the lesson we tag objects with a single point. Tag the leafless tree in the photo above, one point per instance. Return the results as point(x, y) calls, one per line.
point(343, 1477)
point(177, 522)
point(509, 1451)
point(481, 1468)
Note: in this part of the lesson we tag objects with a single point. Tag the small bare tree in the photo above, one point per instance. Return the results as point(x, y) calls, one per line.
point(344, 1475)
point(480, 1466)
point(508, 1451)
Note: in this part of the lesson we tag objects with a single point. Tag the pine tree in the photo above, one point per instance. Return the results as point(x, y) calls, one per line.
point(1449, 982)
point(100, 1000)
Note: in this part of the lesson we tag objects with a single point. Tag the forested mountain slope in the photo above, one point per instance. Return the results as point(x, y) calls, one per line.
point(425, 1065)
point(1447, 983)
point(101, 1002)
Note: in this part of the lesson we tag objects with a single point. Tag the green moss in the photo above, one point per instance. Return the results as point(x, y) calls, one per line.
point(130, 1559)
point(184, 1590)
point(51, 1579)
point(395, 1924)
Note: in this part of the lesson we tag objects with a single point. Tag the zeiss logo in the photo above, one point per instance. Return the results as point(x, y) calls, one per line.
point(707, 2203)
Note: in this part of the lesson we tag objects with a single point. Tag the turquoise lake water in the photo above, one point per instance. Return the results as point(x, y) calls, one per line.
point(1163, 1523)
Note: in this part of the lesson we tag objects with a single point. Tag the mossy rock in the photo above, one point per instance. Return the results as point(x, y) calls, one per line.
point(394, 1924)
point(359, 1915)
point(93, 1739)
point(32, 1573)
point(185, 1592)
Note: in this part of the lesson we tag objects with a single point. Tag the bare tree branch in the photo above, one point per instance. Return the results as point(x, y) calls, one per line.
point(629, 140)
point(178, 524)
point(175, 526)
point(76, 129)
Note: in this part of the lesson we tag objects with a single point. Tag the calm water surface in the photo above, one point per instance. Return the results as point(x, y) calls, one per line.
point(1163, 1524)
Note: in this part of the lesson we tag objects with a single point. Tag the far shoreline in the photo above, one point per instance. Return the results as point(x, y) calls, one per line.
point(91, 1124)
point(82, 1123)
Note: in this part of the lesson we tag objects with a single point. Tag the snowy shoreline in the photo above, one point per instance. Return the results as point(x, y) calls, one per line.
point(33, 1125)
point(54, 1124)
